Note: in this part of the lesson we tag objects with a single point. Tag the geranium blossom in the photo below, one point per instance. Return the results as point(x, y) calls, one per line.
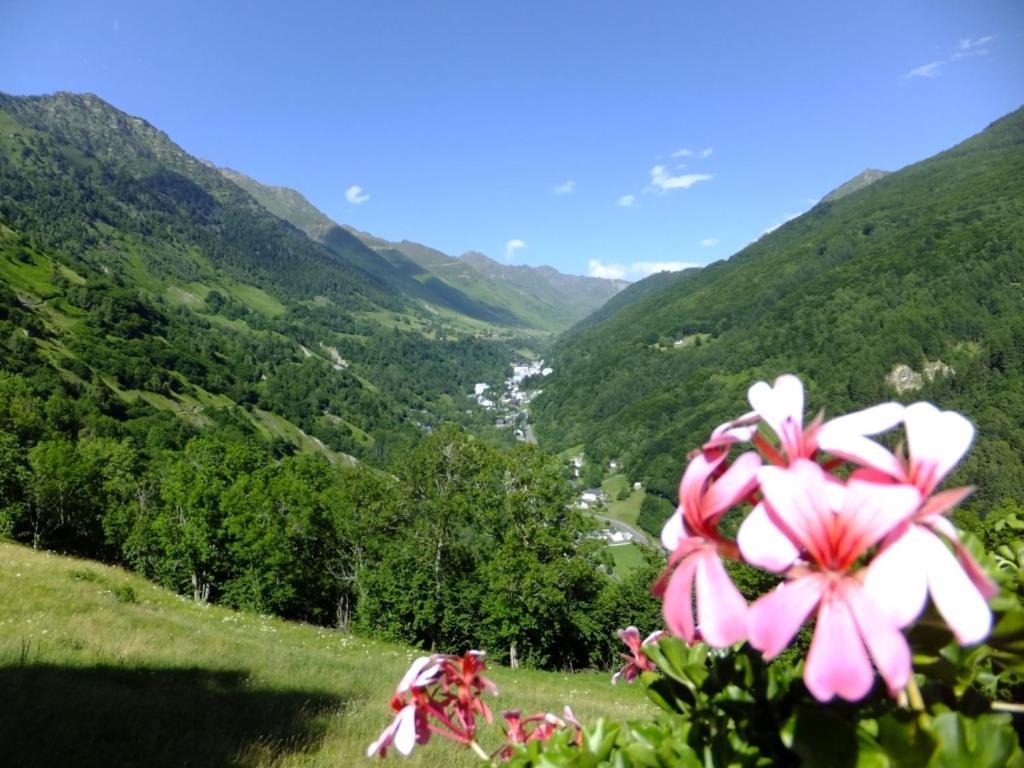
point(636, 660)
point(691, 535)
point(438, 694)
point(410, 726)
point(915, 560)
point(835, 529)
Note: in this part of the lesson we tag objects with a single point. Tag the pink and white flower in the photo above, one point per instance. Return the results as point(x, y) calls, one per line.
point(915, 561)
point(692, 536)
point(637, 661)
point(833, 529)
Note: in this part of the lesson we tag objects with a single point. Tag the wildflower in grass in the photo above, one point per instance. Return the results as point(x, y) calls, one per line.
point(464, 674)
point(411, 705)
point(707, 490)
point(520, 730)
point(914, 560)
point(439, 694)
point(834, 527)
point(636, 660)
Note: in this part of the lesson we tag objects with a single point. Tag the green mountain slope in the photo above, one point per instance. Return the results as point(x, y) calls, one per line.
point(631, 294)
point(925, 265)
point(473, 285)
point(100, 667)
point(374, 256)
point(136, 273)
point(557, 299)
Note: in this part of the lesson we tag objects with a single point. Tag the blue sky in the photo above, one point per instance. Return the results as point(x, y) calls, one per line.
point(541, 132)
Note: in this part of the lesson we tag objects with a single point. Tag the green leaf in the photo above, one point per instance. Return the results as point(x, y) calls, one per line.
point(987, 742)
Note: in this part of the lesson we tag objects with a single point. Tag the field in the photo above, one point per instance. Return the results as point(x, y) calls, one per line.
point(628, 509)
point(99, 667)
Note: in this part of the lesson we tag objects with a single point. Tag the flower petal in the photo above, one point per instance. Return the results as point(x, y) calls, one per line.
point(738, 481)
point(380, 746)
point(412, 675)
point(886, 644)
point(763, 544)
point(780, 402)
point(405, 734)
point(954, 594)
point(940, 503)
point(798, 500)
point(837, 663)
point(870, 511)
point(674, 531)
point(936, 441)
point(721, 609)
point(677, 605)
point(776, 616)
point(862, 450)
point(895, 580)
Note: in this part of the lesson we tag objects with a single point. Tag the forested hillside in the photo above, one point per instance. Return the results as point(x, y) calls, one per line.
point(923, 268)
point(135, 272)
point(195, 389)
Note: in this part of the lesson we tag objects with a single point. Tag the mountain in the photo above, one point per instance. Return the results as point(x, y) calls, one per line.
point(474, 285)
point(565, 299)
point(158, 296)
point(857, 183)
point(631, 294)
point(374, 256)
point(922, 268)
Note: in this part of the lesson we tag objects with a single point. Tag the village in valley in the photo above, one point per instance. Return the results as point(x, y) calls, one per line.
point(512, 412)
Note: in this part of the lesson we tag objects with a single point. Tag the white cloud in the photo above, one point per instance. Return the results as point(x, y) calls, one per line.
point(565, 189)
point(975, 46)
point(929, 70)
point(512, 246)
point(608, 271)
point(627, 201)
point(693, 153)
point(663, 181)
point(965, 47)
point(355, 195)
point(635, 271)
point(707, 242)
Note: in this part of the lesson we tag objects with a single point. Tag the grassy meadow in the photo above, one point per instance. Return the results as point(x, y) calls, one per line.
point(99, 667)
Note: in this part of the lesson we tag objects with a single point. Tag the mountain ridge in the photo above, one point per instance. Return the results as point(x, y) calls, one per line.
point(921, 266)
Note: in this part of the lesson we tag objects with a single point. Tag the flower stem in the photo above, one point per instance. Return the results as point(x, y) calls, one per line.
point(914, 694)
point(479, 751)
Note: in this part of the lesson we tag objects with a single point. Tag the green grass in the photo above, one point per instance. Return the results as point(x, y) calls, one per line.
point(628, 509)
point(99, 667)
point(627, 557)
point(256, 298)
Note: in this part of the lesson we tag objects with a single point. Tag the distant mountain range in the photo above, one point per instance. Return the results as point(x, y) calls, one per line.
point(142, 280)
point(919, 272)
point(473, 284)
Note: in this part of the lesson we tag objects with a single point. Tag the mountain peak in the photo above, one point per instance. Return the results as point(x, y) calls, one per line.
point(863, 179)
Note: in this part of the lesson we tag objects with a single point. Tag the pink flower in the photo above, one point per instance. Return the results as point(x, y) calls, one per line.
point(464, 673)
point(834, 527)
point(691, 534)
point(914, 560)
point(438, 694)
point(538, 727)
point(637, 661)
point(402, 733)
point(781, 407)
